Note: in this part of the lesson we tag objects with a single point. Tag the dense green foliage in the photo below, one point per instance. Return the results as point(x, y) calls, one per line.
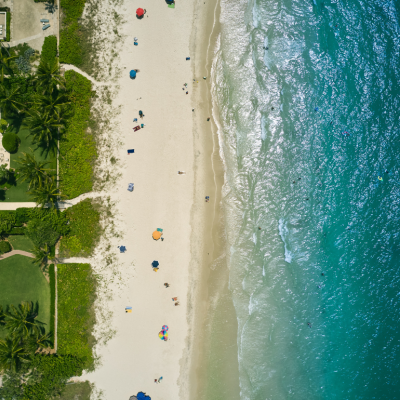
point(76, 294)
point(10, 142)
point(22, 215)
point(46, 378)
point(5, 247)
point(84, 230)
point(49, 49)
point(52, 279)
point(77, 149)
point(7, 221)
point(71, 51)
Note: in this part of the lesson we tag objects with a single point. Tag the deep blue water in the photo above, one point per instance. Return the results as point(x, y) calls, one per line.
point(310, 138)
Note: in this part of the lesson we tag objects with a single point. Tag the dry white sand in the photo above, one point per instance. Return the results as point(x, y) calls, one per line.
point(136, 356)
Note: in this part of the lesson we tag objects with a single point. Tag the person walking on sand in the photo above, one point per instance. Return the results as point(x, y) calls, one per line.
point(166, 285)
point(177, 303)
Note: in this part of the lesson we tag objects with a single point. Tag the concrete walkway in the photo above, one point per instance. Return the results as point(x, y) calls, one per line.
point(69, 67)
point(62, 204)
point(14, 252)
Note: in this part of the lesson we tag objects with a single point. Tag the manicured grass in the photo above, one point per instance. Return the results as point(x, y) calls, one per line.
point(21, 280)
point(76, 286)
point(84, 230)
point(77, 391)
point(17, 191)
point(20, 242)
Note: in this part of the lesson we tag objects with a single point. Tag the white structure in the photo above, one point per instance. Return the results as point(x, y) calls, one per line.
point(3, 24)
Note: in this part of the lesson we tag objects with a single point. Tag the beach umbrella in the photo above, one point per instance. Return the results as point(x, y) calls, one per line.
point(155, 264)
point(163, 335)
point(132, 74)
point(122, 249)
point(140, 12)
point(156, 235)
point(164, 328)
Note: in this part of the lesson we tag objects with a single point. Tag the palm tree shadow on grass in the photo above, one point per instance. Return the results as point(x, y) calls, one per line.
point(16, 122)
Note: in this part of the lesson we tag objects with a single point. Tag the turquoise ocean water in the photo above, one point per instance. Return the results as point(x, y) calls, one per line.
point(307, 127)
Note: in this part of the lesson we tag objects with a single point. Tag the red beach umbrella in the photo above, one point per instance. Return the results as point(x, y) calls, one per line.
point(140, 12)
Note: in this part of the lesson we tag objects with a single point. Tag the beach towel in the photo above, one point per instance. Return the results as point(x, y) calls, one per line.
point(131, 151)
point(171, 5)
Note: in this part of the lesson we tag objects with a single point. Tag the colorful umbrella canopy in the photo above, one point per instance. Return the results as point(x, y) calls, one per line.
point(155, 264)
point(140, 12)
point(163, 335)
point(132, 74)
point(164, 328)
point(156, 235)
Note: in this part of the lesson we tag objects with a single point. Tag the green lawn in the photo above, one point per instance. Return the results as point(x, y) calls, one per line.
point(77, 391)
point(20, 280)
point(20, 242)
point(17, 191)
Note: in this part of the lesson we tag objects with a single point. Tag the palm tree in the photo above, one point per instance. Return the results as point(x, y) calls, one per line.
point(5, 174)
point(48, 76)
point(47, 195)
point(5, 63)
point(40, 340)
point(13, 353)
point(10, 99)
point(44, 127)
point(54, 103)
point(32, 170)
point(21, 320)
point(42, 255)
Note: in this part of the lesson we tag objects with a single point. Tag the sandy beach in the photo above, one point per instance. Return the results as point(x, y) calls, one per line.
point(174, 138)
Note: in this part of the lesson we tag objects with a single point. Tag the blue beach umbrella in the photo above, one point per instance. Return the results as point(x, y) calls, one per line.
point(155, 264)
point(132, 74)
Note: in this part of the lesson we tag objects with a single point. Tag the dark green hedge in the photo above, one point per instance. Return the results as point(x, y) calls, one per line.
point(49, 49)
point(17, 231)
point(52, 278)
point(5, 247)
point(22, 216)
point(8, 28)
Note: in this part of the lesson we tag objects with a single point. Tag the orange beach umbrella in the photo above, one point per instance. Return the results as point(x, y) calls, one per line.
point(156, 235)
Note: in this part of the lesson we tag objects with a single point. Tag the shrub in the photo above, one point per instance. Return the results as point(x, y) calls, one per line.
point(10, 142)
point(41, 232)
point(76, 286)
point(21, 216)
point(78, 147)
point(50, 373)
point(7, 221)
point(5, 247)
point(84, 230)
point(71, 35)
point(49, 49)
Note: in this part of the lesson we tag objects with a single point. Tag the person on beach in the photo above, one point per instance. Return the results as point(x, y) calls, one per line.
point(309, 324)
point(141, 115)
point(166, 285)
point(159, 379)
point(177, 303)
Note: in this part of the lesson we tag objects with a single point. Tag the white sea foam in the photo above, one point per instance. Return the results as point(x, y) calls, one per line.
point(284, 233)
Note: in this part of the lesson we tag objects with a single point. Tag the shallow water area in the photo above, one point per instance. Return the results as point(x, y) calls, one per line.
point(308, 99)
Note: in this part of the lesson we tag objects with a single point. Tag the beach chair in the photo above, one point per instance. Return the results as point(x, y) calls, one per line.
point(130, 187)
point(45, 27)
point(136, 128)
point(131, 151)
point(187, 58)
point(44, 20)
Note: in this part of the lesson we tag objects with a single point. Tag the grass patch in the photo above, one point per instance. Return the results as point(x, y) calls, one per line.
point(21, 280)
point(78, 147)
point(84, 230)
point(16, 190)
point(77, 391)
point(21, 242)
point(52, 279)
point(76, 285)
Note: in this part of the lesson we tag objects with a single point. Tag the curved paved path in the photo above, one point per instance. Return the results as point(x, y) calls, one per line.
point(14, 252)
